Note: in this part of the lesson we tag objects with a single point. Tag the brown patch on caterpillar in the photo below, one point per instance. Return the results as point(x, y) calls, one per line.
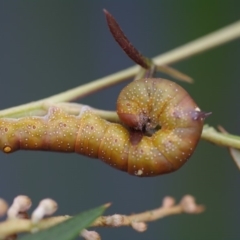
point(135, 137)
point(136, 121)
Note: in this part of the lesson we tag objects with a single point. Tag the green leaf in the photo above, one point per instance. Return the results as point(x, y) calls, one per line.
point(68, 229)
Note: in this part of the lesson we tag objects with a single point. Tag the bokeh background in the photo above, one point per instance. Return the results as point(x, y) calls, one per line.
point(50, 46)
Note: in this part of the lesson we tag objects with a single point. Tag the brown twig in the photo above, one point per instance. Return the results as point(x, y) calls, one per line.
point(136, 221)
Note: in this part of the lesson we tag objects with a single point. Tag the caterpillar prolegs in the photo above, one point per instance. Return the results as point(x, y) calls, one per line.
point(162, 126)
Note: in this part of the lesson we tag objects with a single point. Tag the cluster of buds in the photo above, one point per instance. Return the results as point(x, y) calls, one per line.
point(19, 210)
point(139, 221)
point(21, 204)
point(46, 207)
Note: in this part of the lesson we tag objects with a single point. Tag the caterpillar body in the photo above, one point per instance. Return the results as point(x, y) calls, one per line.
point(162, 126)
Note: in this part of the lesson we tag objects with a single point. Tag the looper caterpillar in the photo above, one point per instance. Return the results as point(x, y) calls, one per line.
point(139, 148)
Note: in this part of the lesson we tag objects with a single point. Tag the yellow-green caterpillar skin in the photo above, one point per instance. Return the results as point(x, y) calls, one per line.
point(144, 105)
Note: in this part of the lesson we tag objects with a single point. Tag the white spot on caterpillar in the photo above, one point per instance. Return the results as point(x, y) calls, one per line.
point(139, 172)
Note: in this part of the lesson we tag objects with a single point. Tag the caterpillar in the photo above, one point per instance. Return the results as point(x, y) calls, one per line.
point(161, 126)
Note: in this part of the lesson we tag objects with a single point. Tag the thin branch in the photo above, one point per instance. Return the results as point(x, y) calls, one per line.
point(209, 134)
point(202, 44)
point(226, 140)
point(175, 73)
point(76, 108)
point(136, 221)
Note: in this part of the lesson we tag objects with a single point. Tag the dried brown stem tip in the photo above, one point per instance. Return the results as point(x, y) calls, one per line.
point(124, 43)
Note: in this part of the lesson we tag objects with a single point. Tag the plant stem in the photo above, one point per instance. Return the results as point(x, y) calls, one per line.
point(207, 42)
point(200, 45)
point(226, 140)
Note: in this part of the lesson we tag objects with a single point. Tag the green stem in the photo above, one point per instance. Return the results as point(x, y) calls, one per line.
point(226, 140)
point(207, 42)
point(212, 40)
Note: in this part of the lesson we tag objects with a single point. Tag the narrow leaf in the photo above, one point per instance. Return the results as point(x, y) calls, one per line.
point(69, 229)
point(135, 55)
point(175, 73)
point(124, 43)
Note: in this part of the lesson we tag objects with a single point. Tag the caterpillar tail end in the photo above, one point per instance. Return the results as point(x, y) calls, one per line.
point(203, 115)
point(206, 114)
point(200, 115)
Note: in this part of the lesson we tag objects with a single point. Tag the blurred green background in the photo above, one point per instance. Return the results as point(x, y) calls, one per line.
point(51, 46)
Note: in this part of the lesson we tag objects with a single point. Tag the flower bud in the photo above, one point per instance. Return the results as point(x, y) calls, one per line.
point(46, 207)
